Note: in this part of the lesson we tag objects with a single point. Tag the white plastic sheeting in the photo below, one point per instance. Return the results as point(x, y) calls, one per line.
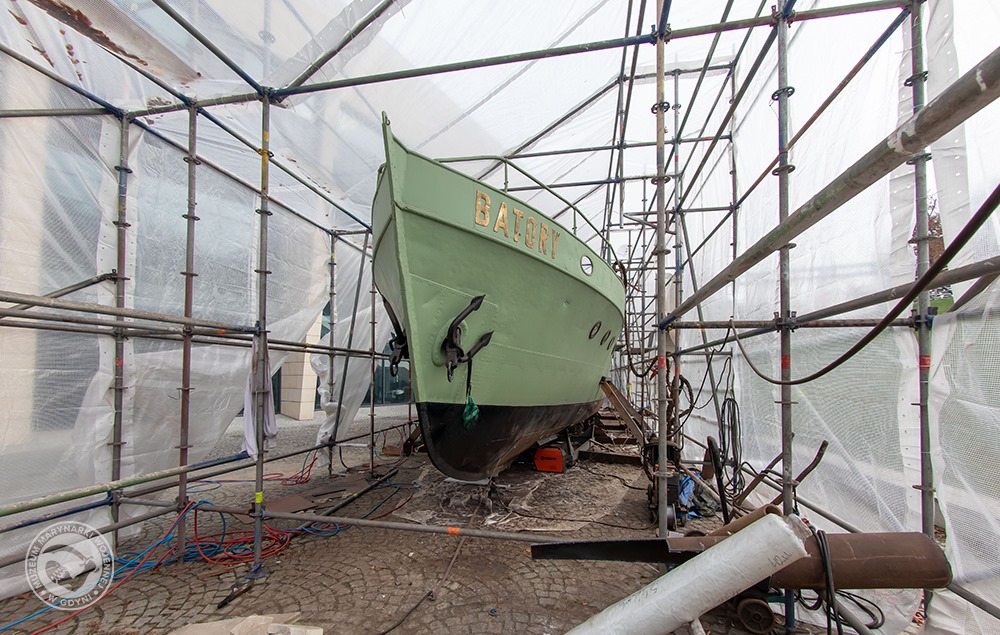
point(865, 408)
point(964, 405)
point(352, 328)
point(60, 196)
point(711, 578)
point(58, 190)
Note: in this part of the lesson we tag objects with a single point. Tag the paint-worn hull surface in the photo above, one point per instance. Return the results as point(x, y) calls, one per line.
point(443, 239)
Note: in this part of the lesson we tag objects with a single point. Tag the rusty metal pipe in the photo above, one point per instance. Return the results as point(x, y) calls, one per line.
point(859, 561)
point(738, 524)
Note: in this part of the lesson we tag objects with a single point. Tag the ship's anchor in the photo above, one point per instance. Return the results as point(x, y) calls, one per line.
point(454, 355)
point(398, 345)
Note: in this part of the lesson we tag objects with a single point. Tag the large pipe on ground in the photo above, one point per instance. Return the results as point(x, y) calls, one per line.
point(681, 595)
point(909, 560)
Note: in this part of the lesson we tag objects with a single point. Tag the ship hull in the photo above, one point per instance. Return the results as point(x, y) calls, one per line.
point(500, 434)
point(443, 239)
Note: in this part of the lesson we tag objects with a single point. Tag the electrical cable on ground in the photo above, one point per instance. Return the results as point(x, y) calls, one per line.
point(605, 475)
point(228, 547)
point(432, 593)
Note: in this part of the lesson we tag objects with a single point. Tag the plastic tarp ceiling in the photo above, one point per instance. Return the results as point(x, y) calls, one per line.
point(59, 189)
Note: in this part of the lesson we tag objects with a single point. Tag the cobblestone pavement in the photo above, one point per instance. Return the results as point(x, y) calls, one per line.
point(366, 580)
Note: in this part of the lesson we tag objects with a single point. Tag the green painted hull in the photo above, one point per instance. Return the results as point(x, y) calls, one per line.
point(439, 241)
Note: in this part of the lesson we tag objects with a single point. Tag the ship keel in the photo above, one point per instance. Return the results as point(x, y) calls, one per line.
point(482, 448)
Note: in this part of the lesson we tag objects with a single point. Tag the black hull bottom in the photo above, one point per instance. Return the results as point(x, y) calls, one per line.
point(495, 438)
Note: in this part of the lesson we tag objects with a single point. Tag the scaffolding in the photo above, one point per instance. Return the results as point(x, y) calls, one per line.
point(660, 297)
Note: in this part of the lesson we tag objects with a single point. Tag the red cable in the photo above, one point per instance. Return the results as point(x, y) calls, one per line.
point(120, 582)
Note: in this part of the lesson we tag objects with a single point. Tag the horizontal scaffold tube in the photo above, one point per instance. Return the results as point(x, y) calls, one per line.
point(90, 307)
point(961, 274)
point(773, 326)
point(383, 524)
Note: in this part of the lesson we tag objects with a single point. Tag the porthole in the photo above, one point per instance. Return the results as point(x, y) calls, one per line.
point(604, 338)
point(595, 330)
point(586, 265)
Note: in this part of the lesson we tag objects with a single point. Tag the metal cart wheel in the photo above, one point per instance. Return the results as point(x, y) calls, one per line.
point(756, 615)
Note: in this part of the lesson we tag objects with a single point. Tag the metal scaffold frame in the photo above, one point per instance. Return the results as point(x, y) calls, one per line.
point(648, 315)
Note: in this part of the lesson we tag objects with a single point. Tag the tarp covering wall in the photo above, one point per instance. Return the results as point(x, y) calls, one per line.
point(59, 195)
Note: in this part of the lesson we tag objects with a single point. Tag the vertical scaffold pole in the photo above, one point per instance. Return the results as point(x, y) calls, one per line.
point(189, 275)
point(350, 335)
point(678, 223)
point(917, 80)
point(783, 171)
point(262, 375)
point(734, 177)
point(661, 291)
point(121, 277)
point(371, 396)
point(333, 325)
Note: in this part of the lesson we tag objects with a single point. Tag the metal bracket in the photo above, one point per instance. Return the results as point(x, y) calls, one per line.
point(917, 158)
point(787, 168)
point(787, 90)
point(921, 76)
point(662, 106)
point(789, 321)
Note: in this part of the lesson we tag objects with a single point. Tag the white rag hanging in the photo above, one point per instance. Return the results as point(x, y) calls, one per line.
point(250, 407)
